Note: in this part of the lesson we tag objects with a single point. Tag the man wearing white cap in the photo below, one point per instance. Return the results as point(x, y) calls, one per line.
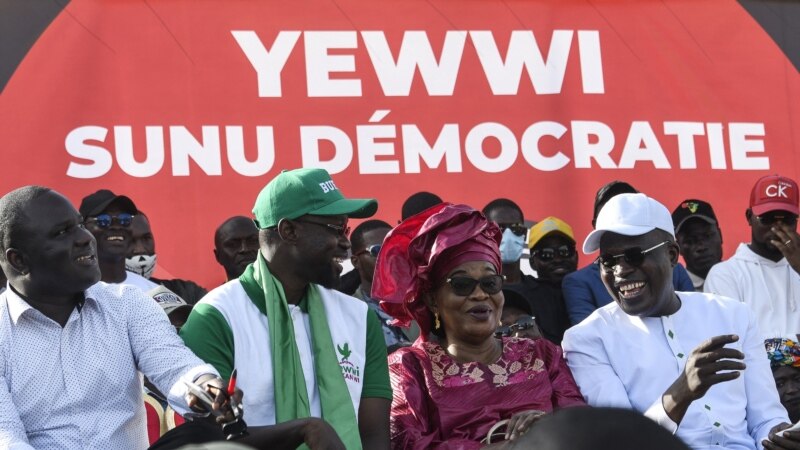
point(692, 362)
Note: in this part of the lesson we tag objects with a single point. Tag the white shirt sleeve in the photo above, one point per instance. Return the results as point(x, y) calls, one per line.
point(12, 432)
point(160, 353)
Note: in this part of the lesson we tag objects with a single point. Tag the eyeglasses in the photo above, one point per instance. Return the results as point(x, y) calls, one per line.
point(549, 253)
point(341, 230)
point(633, 256)
point(464, 286)
point(373, 250)
point(769, 220)
point(523, 323)
point(105, 220)
point(516, 228)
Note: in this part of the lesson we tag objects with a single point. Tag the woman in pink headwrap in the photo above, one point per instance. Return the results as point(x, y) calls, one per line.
point(441, 268)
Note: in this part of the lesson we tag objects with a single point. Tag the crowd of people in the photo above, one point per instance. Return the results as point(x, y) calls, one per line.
point(437, 339)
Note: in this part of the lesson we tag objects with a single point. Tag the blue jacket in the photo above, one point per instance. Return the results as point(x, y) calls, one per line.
point(584, 291)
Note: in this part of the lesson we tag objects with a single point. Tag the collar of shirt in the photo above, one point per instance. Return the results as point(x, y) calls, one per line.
point(17, 306)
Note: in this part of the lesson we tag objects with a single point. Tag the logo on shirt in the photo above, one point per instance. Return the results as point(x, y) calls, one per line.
point(350, 371)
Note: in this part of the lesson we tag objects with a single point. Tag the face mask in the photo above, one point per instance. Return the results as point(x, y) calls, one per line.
point(511, 247)
point(143, 265)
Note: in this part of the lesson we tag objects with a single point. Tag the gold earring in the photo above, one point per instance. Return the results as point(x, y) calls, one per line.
point(436, 323)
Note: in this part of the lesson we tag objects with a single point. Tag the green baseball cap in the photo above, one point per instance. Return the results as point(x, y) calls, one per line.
point(295, 193)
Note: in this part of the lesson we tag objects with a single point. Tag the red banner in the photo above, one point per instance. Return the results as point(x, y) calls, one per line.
point(190, 107)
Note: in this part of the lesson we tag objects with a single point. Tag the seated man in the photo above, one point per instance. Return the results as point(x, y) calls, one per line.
point(142, 258)
point(71, 347)
point(699, 237)
point(235, 245)
point(784, 359)
point(108, 217)
point(301, 349)
point(692, 362)
point(583, 290)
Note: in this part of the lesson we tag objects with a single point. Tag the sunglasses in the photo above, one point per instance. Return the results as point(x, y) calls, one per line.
point(464, 286)
point(373, 250)
point(633, 256)
point(549, 253)
point(341, 230)
point(523, 323)
point(105, 220)
point(771, 219)
point(516, 228)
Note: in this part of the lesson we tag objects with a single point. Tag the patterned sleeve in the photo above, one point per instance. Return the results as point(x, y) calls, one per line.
point(565, 390)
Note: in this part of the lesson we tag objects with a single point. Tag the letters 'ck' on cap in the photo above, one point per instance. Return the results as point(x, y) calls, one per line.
point(693, 209)
point(629, 215)
point(774, 193)
point(295, 193)
point(547, 226)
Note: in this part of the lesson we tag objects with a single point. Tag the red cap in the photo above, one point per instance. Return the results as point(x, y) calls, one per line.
point(774, 193)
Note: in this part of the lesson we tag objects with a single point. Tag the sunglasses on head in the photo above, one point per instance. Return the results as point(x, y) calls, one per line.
point(633, 256)
point(372, 250)
point(516, 228)
point(464, 286)
point(772, 219)
point(549, 253)
point(105, 220)
point(523, 323)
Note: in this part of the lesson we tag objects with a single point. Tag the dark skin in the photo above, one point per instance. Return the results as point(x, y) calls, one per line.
point(112, 245)
point(655, 298)
point(504, 216)
point(701, 245)
point(787, 380)
point(364, 262)
point(142, 241)
point(236, 245)
point(305, 251)
point(469, 323)
point(554, 270)
point(56, 262)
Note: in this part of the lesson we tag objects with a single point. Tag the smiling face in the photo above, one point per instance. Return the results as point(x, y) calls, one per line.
point(645, 290)
point(701, 245)
point(472, 318)
point(59, 254)
point(321, 248)
point(553, 270)
point(112, 242)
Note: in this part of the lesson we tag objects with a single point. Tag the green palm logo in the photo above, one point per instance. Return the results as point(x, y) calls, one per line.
point(345, 352)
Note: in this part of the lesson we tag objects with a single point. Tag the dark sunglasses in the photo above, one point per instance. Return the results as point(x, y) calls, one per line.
point(771, 219)
point(633, 256)
point(464, 286)
point(341, 230)
point(549, 253)
point(523, 323)
point(516, 228)
point(105, 220)
point(372, 250)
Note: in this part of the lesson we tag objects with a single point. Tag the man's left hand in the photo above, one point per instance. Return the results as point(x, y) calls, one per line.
point(788, 242)
point(790, 439)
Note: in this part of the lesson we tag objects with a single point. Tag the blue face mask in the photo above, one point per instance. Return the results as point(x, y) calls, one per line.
point(511, 247)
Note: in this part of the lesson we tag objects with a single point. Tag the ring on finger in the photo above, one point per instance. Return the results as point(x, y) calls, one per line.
point(787, 242)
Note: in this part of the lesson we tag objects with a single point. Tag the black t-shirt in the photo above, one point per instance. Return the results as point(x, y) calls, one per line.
point(547, 305)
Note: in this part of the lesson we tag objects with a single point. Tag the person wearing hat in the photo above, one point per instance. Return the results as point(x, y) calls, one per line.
point(300, 348)
point(108, 217)
point(583, 290)
point(784, 359)
point(552, 249)
point(693, 362)
point(442, 268)
point(72, 347)
point(764, 273)
point(699, 237)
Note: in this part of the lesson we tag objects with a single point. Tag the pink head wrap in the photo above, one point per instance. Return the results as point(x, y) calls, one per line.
point(422, 250)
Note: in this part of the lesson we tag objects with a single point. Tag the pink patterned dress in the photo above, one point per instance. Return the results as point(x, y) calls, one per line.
point(442, 404)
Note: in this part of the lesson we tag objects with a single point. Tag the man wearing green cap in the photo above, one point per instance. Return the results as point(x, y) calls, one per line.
point(300, 348)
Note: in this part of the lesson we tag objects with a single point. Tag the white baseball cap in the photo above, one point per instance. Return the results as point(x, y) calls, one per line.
point(629, 215)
